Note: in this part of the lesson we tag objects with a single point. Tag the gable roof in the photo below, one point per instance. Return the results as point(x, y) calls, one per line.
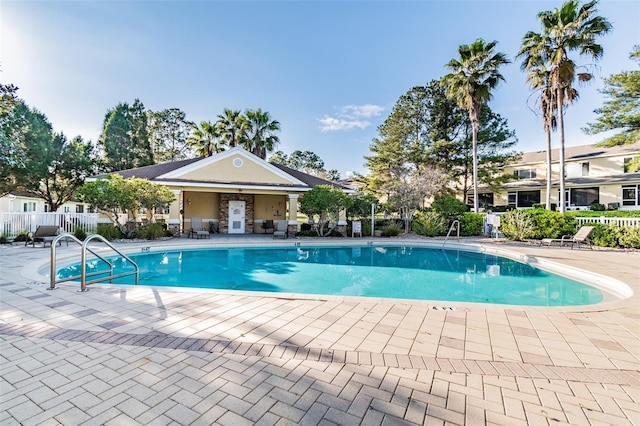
point(582, 152)
point(179, 171)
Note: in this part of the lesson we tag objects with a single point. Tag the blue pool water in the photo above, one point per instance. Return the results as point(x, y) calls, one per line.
point(392, 272)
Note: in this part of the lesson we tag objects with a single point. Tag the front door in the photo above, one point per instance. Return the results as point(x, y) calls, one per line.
point(236, 217)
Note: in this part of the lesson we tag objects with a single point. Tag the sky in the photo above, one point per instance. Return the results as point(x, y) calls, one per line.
point(329, 71)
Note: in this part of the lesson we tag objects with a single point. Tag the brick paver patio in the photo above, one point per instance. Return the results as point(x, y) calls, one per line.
point(144, 355)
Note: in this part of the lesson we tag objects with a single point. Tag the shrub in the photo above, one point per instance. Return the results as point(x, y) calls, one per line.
point(152, 231)
point(449, 207)
point(615, 236)
point(551, 224)
point(516, 225)
point(22, 236)
point(597, 207)
point(429, 223)
point(471, 224)
point(4, 239)
point(79, 233)
point(391, 231)
point(109, 231)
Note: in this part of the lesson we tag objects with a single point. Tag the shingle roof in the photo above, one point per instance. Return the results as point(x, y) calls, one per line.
point(579, 152)
point(152, 173)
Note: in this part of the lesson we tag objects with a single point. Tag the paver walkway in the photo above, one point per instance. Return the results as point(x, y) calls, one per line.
point(142, 355)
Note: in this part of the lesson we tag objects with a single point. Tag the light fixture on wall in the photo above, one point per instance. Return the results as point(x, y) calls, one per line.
point(189, 201)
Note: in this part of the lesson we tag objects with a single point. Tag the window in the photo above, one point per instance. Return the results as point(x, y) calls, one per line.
point(79, 208)
point(485, 199)
point(584, 196)
point(585, 169)
point(512, 198)
point(631, 195)
point(528, 198)
point(29, 207)
point(525, 173)
point(67, 209)
point(47, 208)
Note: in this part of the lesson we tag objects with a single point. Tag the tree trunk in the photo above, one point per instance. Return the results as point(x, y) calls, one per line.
point(559, 102)
point(548, 197)
point(475, 165)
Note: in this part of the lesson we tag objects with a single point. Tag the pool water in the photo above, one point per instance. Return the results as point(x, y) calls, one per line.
point(372, 271)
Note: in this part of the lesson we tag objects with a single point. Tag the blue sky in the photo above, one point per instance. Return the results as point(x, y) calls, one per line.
point(329, 71)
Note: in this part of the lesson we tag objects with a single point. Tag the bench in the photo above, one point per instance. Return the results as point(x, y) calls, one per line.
point(45, 234)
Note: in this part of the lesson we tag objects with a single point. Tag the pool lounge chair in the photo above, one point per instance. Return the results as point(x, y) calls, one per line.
point(282, 229)
point(197, 230)
point(581, 237)
point(45, 234)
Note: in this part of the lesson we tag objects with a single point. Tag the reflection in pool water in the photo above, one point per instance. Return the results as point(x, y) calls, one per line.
point(392, 272)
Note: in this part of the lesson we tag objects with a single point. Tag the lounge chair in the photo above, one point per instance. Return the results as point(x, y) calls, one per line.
point(196, 228)
point(282, 229)
point(45, 234)
point(580, 237)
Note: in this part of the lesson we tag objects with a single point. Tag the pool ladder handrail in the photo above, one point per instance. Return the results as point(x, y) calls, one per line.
point(455, 223)
point(83, 270)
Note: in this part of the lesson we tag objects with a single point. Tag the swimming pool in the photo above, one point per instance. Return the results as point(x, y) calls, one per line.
point(405, 272)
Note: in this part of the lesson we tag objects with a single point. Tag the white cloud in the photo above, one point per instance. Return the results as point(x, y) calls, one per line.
point(349, 117)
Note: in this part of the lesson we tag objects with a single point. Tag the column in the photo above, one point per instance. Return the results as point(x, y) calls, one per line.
point(293, 213)
point(175, 217)
point(342, 222)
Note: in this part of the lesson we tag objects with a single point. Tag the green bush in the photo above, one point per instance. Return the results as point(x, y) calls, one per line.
point(152, 231)
point(449, 207)
point(79, 233)
point(429, 223)
point(517, 225)
point(109, 231)
point(4, 239)
point(22, 236)
point(597, 207)
point(550, 224)
point(471, 224)
point(615, 236)
point(391, 231)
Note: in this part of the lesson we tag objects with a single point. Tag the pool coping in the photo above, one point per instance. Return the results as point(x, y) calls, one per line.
point(617, 293)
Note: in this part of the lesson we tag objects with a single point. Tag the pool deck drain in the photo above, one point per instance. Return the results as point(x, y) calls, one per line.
point(185, 356)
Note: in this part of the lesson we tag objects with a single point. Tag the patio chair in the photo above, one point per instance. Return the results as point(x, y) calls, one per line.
point(45, 234)
point(282, 229)
point(580, 237)
point(267, 224)
point(197, 230)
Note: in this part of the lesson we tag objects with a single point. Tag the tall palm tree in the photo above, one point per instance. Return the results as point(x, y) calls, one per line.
point(205, 139)
point(570, 28)
point(261, 129)
point(232, 126)
point(473, 76)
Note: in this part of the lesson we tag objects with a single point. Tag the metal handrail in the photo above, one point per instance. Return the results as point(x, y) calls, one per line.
point(455, 223)
point(83, 266)
point(52, 274)
point(83, 263)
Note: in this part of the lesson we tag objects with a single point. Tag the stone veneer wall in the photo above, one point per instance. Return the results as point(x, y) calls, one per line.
point(223, 224)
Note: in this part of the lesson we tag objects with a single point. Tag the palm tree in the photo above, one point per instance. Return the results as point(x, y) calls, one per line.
point(205, 139)
point(474, 75)
point(232, 126)
point(570, 28)
point(260, 133)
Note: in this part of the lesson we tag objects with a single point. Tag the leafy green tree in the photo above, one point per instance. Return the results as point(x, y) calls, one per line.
point(307, 162)
point(474, 75)
point(621, 110)
point(204, 139)
point(125, 138)
point(323, 203)
point(260, 135)
point(12, 126)
point(570, 28)
point(114, 195)
point(57, 168)
point(333, 175)
point(360, 206)
point(168, 132)
point(279, 157)
point(232, 126)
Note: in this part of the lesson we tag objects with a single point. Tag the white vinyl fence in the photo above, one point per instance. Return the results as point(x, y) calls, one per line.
point(619, 221)
point(12, 224)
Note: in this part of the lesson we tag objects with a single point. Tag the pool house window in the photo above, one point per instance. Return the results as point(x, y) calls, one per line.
point(631, 195)
point(584, 196)
point(523, 198)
